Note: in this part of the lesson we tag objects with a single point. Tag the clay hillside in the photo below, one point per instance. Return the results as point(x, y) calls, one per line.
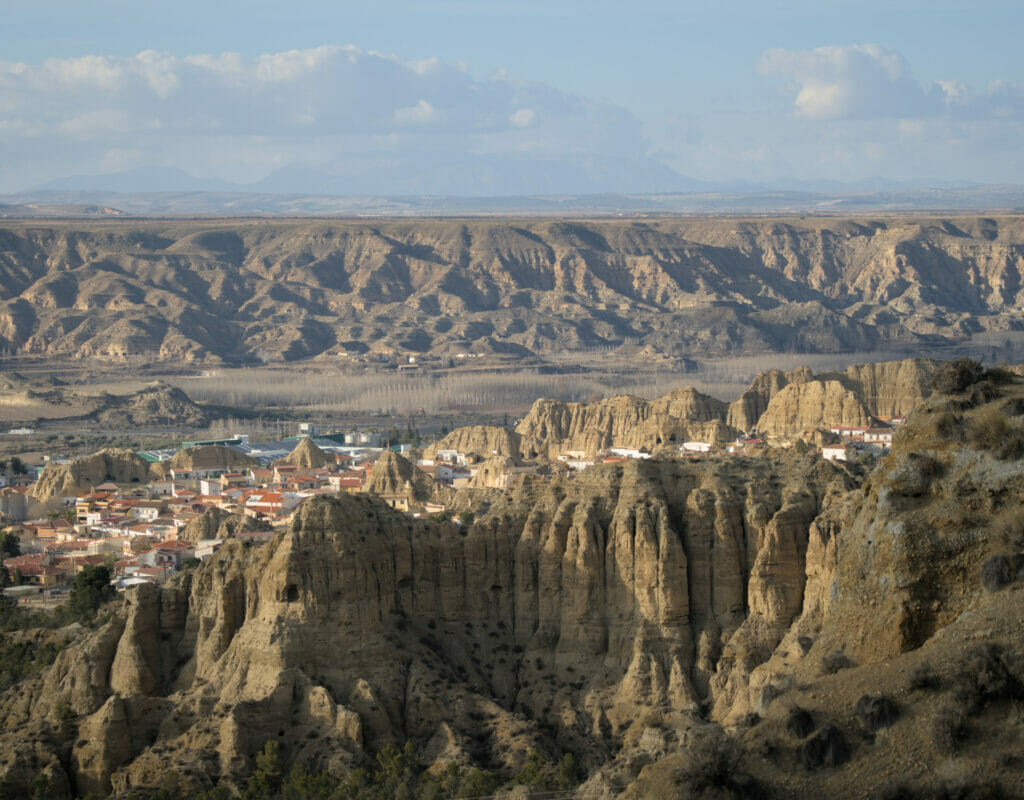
point(297, 289)
point(158, 403)
point(777, 626)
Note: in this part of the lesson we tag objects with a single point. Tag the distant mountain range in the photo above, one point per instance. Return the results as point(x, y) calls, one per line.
point(492, 185)
point(470, 177)
point(698, 287)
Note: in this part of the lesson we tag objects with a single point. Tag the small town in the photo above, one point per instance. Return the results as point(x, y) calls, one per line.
point(147, 531)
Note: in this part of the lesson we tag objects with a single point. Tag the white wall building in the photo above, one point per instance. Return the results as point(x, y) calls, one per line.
point(834, 452)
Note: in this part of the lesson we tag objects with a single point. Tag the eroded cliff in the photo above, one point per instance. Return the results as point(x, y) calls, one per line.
point(657, 618)
point(242, 291)
point(569, 607)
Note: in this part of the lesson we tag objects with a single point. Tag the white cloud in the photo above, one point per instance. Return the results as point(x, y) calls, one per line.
point(869, 81)
point(299, 106)
point(849, 82)
point(420, 114)
point(522, 117)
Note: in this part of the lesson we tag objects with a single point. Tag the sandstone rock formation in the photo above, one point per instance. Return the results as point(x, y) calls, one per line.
point(580, 604)
point(552, 426)
point(307, 454)
point(14, 506)
point(217, 523)
point(493, 473)
point(810, 406)
point(210, 456)
point(745, 411)
point(83, 474)
point(394, 475)
point(782, 404)
point(157, 404)
point(892, 388)
point(192, 291)
point(154, 405)
point(483, 440)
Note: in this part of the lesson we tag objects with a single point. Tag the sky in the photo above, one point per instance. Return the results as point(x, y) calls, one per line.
point(499, 97)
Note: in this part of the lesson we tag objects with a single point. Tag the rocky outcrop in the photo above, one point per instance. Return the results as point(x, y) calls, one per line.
point(307, 455)
point(14, 506)
point(492, 473)
point(216, 523)
point(81, 475)
point(484, 441)
point(553, 427)
point(892, 388)
point(160, 404)
point(689, 404)
point(746, 410)
point(210, 456)
point(778, 404)
point(813, 405)
point(394, 476)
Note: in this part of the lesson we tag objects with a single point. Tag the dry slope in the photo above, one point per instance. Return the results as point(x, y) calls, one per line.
point(295, 289)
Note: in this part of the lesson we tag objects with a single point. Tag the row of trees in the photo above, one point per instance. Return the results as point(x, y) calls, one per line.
point(387, 392)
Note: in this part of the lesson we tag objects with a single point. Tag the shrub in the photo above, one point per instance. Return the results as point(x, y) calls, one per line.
point(924, 677)
point(948, 426)
point(835, 661)
point(799, 723)
point(993, 431)
point(711, 770)
point(950, 727)
point(826, 748)
point(1007, 526)
point(988, 674)
point(1014, 407)
point(957, 376)
point(876, 711)
point(1012, 446)
point(997, 571)
point(987, 430)
point(63, 711)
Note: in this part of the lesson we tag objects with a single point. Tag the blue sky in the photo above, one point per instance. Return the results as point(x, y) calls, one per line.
point(472, 97)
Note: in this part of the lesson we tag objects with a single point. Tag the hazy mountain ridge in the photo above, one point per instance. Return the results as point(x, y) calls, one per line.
point(292, 290)
point(176, 193)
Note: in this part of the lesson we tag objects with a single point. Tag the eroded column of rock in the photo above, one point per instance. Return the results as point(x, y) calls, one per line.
point(774, 596)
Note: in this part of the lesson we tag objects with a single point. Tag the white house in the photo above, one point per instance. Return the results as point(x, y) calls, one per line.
point(849, 431)
point(834, 452)
point(146, 513)
point(697, 447)
point(625, 452)
point(882, 436)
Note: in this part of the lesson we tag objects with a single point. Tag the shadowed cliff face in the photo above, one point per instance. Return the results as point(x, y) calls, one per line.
point(293, 290)
point(566, 611)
